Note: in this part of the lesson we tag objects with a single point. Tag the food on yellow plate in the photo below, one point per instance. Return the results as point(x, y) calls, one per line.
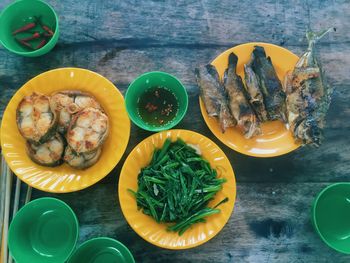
point(302, 101)
point(68, 102)
point(270, 85)
point(238, 104)
point(255, 96)
point(87, 130)
point(176, 187)
point(49, 153)
point(213, 96)
point(76, 115)
point(261, 100)
point(35, 120)
point(308, 96)
point(82, 160)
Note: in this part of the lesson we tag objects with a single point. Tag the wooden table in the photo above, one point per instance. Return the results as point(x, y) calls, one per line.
point(122, 39)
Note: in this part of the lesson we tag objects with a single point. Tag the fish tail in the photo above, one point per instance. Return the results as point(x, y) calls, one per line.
point(313, 37)
point(250, 126)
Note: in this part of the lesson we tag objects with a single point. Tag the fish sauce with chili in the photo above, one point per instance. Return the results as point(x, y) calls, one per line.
point(157, 106)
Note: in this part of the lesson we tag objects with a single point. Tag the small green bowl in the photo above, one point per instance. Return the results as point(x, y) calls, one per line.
point(147, 81)
point(43, 231)
point(331, 216)
point(102, 250)
point(20, 13)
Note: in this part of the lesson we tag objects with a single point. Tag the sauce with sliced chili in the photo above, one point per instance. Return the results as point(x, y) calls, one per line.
point(157, 106)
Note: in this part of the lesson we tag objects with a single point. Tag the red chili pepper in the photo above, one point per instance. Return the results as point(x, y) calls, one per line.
point(34, 36)
point(47, 35)
point(24, 28)
point(43, 26)
point(41, 44)
point(47, 29)
point(24, 43)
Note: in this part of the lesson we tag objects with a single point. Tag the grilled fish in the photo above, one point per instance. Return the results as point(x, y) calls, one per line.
point(88, 130)
point(308, 96)
point(82, 160)
point(49, 153)
point(35, 120)
point(213, 96)
point(68, 102)
point(255, 97)
point(238, 104)
point(270, 85)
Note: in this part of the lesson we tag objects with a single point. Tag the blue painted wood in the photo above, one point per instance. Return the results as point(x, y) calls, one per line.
point(122, 39)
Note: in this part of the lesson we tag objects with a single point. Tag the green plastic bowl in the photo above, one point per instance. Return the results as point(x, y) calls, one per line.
point(102, 250)
point(18, 14)
point(43, 231)
point(149, 80)
point(331, 216)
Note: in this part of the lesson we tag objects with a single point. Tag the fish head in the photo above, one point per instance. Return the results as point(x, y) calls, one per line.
point(259, 51)
point(232, 61)
point(212, 71)
point(309, 132)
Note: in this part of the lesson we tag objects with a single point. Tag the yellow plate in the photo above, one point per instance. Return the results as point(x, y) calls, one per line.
point(147, 227)
point(275, 139)
point(63, 179)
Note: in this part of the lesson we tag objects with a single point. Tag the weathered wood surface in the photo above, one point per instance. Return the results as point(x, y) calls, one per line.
point(122, 39)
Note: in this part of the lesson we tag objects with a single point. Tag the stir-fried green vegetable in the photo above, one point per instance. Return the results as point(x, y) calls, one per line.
point(177, 186)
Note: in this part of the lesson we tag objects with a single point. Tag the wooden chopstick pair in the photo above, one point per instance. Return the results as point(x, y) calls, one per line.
point(2, 197)
point(5, 203)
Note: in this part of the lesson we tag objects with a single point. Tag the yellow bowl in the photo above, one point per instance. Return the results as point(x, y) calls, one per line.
point(63, 179)
point(147, 227)
point(275, 139)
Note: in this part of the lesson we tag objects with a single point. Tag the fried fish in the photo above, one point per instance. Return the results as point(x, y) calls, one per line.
point(238, 104)
point(213, 96)
point(308, 96)
point(270, 85)
point(255, 95)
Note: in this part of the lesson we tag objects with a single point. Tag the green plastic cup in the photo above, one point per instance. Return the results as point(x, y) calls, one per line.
point(43, 231)
point(331, 216)
point(102, 250)
point(147, 81)
point(20, 13)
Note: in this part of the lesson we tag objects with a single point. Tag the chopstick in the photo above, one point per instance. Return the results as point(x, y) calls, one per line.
point(17, 194)
point(5, 194)
point(28, 195)
point(7, 212)
point(2, 196)
point(15, 205)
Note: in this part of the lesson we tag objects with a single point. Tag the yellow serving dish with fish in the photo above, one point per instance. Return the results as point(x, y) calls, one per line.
point(156, 233)
point(62, 179)
point(275, 138)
